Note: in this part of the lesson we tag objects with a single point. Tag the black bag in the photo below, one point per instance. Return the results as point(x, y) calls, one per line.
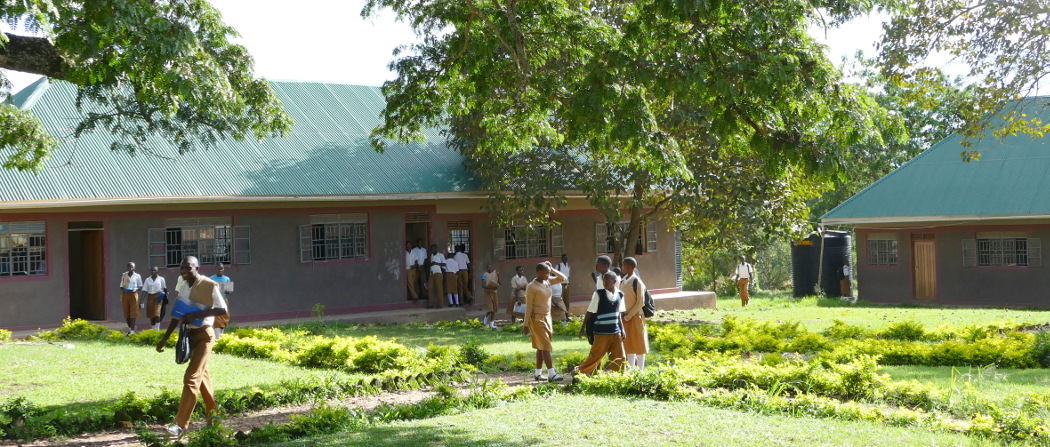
point(182, 346)
point(648, 305)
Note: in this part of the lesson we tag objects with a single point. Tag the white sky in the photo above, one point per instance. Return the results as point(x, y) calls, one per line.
point(328, 41)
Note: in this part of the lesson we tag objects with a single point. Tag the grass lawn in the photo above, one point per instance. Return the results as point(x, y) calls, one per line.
point(818, 313)
point(96, 371)
point(577, 421)
point(990, 381)
point(505, 343)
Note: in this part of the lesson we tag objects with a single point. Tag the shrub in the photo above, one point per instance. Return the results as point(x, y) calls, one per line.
point(79, 329)
point(653, 383)
point(473, 353)
point(808, 342)
point(1040, 349)
point(840, 330)
point(5, 335)
point(905, 330)
point(570, 361)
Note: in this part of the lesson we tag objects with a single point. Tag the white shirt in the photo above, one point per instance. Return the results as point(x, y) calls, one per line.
point(845, 271)
point(593, 307)
point(556, 289)
point(421, 255)
point(152, 286)
point(132, 282)
point(410, 259)
point(183, 289)
point(461, 260)
point(435, 259)
point(743, 270)
point(564, 269)
point(451, 266)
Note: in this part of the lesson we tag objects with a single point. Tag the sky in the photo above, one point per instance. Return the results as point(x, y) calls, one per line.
point(328, 41)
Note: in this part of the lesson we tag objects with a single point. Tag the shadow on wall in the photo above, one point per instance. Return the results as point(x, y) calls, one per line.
point(354, 168)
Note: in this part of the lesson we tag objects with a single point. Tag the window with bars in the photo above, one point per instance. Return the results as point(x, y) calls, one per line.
point(210, 240)
point(333, 237)
point(603, 244)
point(23, 249)
point(1002, 252)
point(521, 242)
point(459, 234)
point(882, 249)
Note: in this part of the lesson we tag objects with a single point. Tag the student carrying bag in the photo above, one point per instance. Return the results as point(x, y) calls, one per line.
point(182, 346)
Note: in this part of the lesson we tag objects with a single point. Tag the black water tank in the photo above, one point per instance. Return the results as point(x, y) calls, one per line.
point(805, 257)
point(836, 252)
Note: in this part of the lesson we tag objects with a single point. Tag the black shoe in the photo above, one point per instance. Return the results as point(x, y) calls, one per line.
point(555, 378)
point(539, 377)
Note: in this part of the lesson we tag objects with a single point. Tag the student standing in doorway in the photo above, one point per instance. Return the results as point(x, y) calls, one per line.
point(435, 287)
point(464, 274)
point(222, 320)
point(421, 271)
point(452, 280)
point(743, 274)
point(154, 286)
point(411, 273)
point(130, 284)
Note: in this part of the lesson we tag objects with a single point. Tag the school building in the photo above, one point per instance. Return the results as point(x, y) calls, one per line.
point(940, 230)
point(317, 217)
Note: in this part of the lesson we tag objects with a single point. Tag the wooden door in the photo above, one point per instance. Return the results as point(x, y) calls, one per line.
point(925, 269)
point(87, 298)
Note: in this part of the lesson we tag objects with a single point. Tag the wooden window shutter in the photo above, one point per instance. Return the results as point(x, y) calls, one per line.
point(557, 241)
point(306, 243)
point(242, 248)
point(601, 238)
point(499, 242)
point(1035, 252)
point(650, 236)
point(969, 248)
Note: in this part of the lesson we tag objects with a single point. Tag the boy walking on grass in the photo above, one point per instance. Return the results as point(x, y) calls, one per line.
point(537, 324)
point(606, 311)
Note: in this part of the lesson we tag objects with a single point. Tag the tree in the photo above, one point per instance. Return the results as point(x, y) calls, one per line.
point(144, 67)
point(1005, 45)
point(714, 112)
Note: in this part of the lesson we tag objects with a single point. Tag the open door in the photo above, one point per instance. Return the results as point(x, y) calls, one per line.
point(87, 298)
point(925, 269)
point(417, 228)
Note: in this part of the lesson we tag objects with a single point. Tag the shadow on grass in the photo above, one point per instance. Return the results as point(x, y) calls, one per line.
point(402, 435)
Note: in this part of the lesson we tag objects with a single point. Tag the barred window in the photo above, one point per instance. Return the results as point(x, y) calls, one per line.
point(334, 236)
point(603, 243)
point(23, 249)
point(882, 249)
point(1002, 252)
point(211, 240)
point(520, 242)
point(459, 234)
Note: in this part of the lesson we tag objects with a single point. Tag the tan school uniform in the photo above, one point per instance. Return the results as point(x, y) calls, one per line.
point(637, 341)
point(517, 285)
point(152, 306)
point(491, 286)
point(451, 283)
point(538, 311)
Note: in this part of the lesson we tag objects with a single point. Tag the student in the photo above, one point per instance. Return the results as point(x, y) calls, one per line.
point(566, 294)
point(518, 284)
point(411, 273)
point(743, 274)
point(452, 280)
point(601, 265)
point(421, 271)
point(490, 282)
point(636, 345)
point(199, 291)
point(130, 284)
point(435, 288)
point(537, 323)
point(154, 285)
point(464, 274)
point(559, 311)
point(222, 320)
point(606, 311)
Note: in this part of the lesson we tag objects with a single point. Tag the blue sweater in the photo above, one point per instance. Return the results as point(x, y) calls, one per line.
point(607, 319)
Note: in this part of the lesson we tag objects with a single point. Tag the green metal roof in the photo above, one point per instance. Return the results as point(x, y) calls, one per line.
point(326, 155)
point(1010, 180)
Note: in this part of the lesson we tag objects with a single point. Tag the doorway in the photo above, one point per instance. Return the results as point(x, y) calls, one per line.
point(87, 298)
point(925, 269)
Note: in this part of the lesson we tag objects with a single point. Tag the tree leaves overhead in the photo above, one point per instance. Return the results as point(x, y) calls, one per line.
point(145, 68)
point(643, 106)
point(1005, 45)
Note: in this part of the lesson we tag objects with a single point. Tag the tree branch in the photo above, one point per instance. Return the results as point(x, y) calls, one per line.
point(32, 55)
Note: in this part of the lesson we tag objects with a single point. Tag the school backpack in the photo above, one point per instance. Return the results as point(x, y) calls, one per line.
point(648, 305)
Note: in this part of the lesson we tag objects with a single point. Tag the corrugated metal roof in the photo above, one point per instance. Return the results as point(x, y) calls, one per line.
point(1011, 179)
point(326, 154)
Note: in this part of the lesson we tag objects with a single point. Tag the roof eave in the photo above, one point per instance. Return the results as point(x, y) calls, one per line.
point(855, 221)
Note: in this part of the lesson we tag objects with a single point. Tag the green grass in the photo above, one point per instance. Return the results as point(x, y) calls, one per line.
point(818, 313)
point(989, 380)
point(505, 343)
point(579, 421)
point(98, 372)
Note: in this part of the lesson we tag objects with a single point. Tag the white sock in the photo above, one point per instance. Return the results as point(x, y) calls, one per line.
point(539, 371)
point(485, 320)
point(456, 296)
point(641, 361)
point(630, 359)
point(156, 327)
point(551, 372)
point(218, 333)
point(450, 299)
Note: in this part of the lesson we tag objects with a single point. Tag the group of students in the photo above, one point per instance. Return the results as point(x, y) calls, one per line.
point(438, 275)
point(155, 302)
point(614, 317)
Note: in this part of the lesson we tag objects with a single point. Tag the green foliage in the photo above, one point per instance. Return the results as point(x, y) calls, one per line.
point(570, 360)
point(143, 69)
point(473, 353)
point(78, 329)
point(905, 330)
point(840, 331)
point(661, 384)
point(1041, 350)
point(5, 335)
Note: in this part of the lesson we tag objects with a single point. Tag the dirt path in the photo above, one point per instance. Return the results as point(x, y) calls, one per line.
point(253, 420)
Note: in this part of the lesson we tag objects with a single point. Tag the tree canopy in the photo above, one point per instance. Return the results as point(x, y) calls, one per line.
point(725, 115)
point(144, 68)
point(1005, 45)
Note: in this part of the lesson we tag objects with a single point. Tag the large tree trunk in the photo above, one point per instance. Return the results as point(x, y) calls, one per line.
point(32, 55)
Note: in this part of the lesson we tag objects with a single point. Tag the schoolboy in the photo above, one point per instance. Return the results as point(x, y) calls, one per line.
point(606, 311)
point(537, 323)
